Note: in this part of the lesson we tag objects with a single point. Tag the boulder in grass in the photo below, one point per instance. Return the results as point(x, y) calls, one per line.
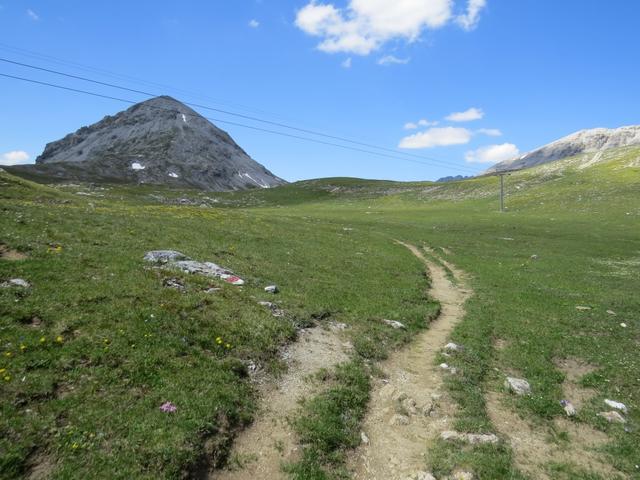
point(164, 256)
point(15, 282)
point(612, 417)
point(568, 407)
point(271, 289)
point(394, 324)
point(519, 386)
point(617, 405)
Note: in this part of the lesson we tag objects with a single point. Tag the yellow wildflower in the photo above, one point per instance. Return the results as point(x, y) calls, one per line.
point(75, 445)
point(8, 354)
point(2, 370)
point(7, 378)
point(228, 345)
point(43, 339)
point(23, 348)
point(59, 339)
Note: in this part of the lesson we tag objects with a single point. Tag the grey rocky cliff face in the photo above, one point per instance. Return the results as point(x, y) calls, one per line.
point(584, 141)
point(158, 141)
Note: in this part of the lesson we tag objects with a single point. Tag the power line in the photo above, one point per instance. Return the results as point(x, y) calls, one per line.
point(433, 161)
point(275, 132)
point(107, 73)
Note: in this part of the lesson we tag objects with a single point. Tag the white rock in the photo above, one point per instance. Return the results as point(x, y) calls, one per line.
point(568, 407)
point(15, 282)
point(364, 439)
point(164, 256)
point(623, 325)
point(611, 312)
point(519, 386)
point(271, 289)
point(617, 405)
point(394, 324)
point(452, 347)
point(424, 476)
point(582, 308)
point(612, 417)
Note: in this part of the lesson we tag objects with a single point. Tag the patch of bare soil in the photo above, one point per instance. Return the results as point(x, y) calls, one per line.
point(40, 466)
point(536, 447)
point(10, 255)
point(408, 408)
point(574, 369)
point(259, 451)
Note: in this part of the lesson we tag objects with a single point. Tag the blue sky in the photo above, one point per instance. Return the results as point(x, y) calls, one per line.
point(528, 70)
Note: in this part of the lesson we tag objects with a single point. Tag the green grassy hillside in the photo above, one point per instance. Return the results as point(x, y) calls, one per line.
point(97, 344)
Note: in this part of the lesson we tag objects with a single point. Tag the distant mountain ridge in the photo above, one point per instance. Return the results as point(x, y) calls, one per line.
point(158, 141)
point(584, 141)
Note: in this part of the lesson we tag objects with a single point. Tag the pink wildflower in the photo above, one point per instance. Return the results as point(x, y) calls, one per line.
point(168, 407)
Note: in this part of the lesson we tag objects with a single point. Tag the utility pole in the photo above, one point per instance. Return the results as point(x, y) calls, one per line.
point(502, 174)
point(502, 191)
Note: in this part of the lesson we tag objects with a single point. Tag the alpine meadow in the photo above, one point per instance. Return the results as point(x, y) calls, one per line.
point(194, 287)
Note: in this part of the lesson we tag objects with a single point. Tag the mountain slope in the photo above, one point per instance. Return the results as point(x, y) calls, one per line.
point(158, 141)
point(585, 141)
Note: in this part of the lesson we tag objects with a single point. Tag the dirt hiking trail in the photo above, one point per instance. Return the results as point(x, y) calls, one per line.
point(260, 450)
point(409, 408)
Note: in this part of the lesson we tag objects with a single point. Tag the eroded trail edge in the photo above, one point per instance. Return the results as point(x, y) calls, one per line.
point(409, 407)
point(260, 450)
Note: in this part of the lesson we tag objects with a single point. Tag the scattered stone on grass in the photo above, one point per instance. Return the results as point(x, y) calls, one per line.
point(623, 325)
point(519, 386)
point(611, 312)
point(275, 310)
point(15, 282)
point(174, 259)
point(164, 256)
point(364, 439)
point(174, 283)
point(470, 438)
point(394, 324)
point(582, 308)
point(616, 405)
point(452, 347)
point(568, 407)
point(212, 290)
point(612, 417)
point(449, 368)
point(534, 257)
point(271, 289)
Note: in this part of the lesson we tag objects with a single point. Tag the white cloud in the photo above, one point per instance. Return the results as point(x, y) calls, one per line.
point(492, 153)
point(421, 123)
point(491, 132)
point(347, 63)
point(470, 19)
point(437, 137)
point(466, 116)
point(253, 23)
point(392, 60)
point(426, 123)
point(33, 15)
point(365, 25)
point(15, 157)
